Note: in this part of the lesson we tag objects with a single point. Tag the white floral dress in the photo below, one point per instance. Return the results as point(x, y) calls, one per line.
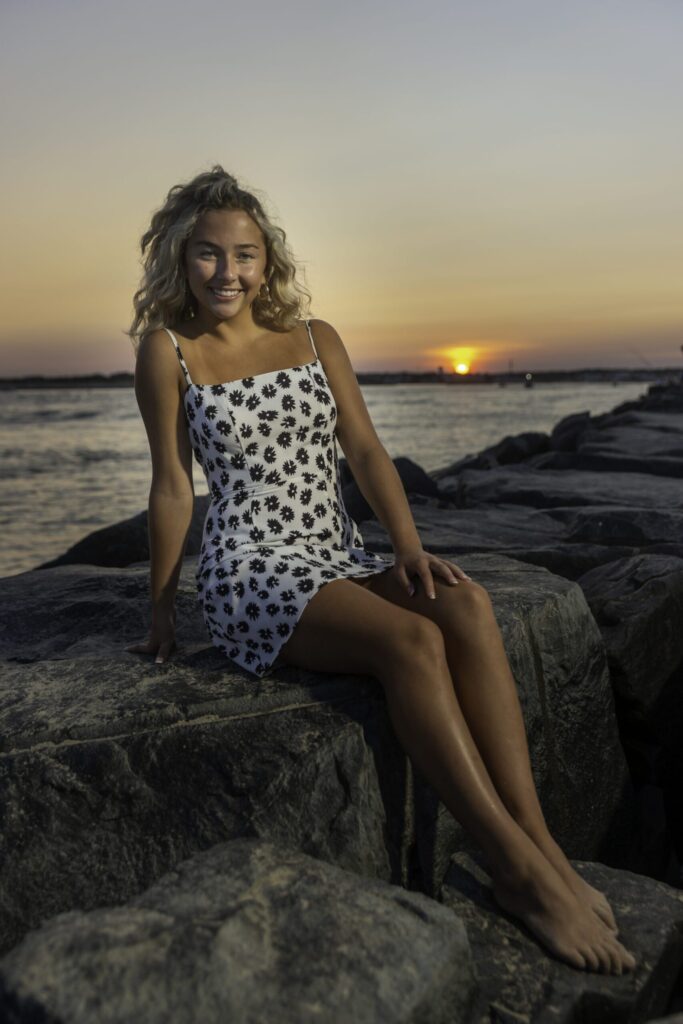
point(276, 529)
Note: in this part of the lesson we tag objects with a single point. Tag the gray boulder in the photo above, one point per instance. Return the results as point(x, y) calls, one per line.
point(113, 768)
point(512, 448)
point(549, 488)
point(638, 605)
point(567, 540)
point(247, 931)
point(126, 542)
point(414, 479)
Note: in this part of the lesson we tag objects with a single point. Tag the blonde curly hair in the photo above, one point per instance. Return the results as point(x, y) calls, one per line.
point(164, 298)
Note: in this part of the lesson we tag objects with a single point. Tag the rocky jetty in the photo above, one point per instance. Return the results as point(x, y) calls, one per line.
point(181, 842)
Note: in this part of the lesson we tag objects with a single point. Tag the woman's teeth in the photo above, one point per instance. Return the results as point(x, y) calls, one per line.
point(229, 293)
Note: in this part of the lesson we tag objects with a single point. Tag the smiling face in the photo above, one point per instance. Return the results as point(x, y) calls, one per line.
point(225, 262)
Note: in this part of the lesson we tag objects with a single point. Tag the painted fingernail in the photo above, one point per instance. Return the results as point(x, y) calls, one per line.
point(432, 595)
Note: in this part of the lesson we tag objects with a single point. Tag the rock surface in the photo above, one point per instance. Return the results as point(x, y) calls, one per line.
point(248, 931)
point(113, 768)
point(638, 604)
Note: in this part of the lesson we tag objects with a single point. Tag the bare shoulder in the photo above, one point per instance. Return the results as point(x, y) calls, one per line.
point(157, 364)
point(156, 345)
point(322, 329)
point(330, 346)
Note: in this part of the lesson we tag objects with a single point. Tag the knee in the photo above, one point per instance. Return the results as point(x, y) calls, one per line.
point(472, 599)
point(419, 639)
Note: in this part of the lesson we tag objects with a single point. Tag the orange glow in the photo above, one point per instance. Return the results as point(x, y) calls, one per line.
point(461, 358)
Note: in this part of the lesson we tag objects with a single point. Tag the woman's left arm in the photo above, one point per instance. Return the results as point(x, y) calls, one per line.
point(373, 469)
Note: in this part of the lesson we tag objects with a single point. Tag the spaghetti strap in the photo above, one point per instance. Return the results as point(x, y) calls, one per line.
point(310, 335)
point(180, 357)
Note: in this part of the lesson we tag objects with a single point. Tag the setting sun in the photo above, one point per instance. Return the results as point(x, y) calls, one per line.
point(461, 358)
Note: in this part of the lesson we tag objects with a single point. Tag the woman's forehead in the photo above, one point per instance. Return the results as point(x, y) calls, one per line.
point(227, 221)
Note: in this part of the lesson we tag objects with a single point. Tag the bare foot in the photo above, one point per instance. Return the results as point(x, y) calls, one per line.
point(584, 892)
point(568, 928)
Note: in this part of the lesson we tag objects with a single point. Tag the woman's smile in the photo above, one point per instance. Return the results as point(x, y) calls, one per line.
point(226, 295)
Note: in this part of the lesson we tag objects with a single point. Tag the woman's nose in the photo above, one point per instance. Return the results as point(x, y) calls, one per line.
point(229, 268)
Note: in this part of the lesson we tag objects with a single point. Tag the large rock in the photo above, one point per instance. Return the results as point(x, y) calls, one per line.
point(597, 462)
point(512, 448)
point(414, 479)
point(652, 435)
point(550, 488)
point(247, 932)
point(661, 397)
point(638, 605)
point(521, 981)
point(645, 436)
point(114, 768)
point(126, 542)
point(567, 540)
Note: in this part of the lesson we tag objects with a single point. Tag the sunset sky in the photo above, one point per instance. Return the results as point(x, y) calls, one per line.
point(463, 181)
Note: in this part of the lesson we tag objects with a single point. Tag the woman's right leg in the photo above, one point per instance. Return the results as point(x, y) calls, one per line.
point(347, 628)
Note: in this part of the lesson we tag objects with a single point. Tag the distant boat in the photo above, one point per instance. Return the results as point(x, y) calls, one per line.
point(528, 380)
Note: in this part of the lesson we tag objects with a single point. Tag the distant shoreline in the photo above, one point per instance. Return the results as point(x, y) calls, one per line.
point(594, 375)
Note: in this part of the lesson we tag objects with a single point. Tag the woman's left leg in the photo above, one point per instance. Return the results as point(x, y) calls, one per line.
point(487, 693)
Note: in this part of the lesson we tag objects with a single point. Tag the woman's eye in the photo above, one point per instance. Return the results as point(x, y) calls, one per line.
point(243, 255)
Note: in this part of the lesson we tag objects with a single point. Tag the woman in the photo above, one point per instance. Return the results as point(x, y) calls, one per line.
point(226, 368)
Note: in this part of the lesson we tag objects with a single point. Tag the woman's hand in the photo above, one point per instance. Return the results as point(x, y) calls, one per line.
point(161, 640)
point(418, 562)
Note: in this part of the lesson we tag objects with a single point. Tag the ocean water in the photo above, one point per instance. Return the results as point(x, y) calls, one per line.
point(74, 460)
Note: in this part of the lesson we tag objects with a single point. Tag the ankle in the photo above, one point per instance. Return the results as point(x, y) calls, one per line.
point(517, 866)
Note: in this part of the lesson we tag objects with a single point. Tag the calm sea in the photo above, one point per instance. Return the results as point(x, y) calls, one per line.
point(76, 460)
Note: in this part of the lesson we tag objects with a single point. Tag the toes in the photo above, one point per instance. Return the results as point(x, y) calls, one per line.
point(629, 960)
point(607, 961)
point(578, 960)
point(626, 960)
point(591, 958)
point(614, 960)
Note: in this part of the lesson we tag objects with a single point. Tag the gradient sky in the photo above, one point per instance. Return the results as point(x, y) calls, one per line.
point(489, 181)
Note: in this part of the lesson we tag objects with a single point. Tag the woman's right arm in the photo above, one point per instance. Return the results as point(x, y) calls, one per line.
point(158, 390)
